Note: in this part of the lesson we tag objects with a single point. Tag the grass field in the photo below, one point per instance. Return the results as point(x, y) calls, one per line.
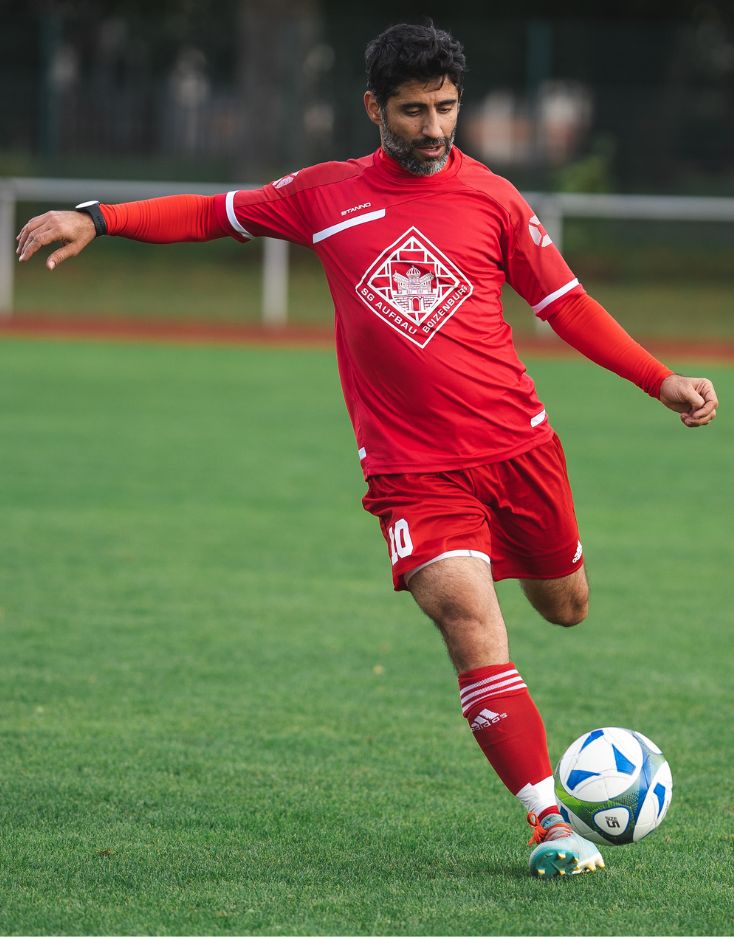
point(218, 719)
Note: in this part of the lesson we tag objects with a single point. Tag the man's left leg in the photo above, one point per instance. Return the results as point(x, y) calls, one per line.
point(563, 601)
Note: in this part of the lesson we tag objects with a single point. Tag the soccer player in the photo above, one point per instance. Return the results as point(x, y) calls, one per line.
point(464, 471)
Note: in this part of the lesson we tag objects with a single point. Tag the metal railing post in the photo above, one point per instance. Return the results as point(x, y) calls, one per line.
point(7, 249)
point(551, 216)
point(552, 219)
point(275, 282)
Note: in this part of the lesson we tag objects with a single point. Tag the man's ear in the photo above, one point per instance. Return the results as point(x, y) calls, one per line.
point(372, 108)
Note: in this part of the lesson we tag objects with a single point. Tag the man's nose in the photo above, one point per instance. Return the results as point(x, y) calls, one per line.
point(431, 125)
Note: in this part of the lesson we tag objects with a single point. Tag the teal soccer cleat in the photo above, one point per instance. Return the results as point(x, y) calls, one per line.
point(560, 851)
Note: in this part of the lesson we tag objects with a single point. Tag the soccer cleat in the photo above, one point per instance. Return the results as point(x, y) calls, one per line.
point(558, 850)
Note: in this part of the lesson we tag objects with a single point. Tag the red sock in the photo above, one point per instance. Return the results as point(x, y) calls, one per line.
point(510, 731)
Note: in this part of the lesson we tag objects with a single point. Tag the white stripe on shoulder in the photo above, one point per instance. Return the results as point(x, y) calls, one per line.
point(233, 218)
point(552, 297)
point(349, 223)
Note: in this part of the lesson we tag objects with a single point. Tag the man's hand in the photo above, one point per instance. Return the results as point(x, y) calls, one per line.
point(73, 228)
point(693, 397)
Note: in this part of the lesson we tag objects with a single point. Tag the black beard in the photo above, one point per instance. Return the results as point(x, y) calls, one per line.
point(404, 154)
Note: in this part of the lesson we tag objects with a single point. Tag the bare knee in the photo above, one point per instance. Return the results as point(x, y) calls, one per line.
point(563, 602)
point(471, 639)
point(570, 613)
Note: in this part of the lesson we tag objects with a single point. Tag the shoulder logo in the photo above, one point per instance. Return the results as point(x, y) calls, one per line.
point(538, 233)
point(414, 287)
point(285, 180)
point(349, 211)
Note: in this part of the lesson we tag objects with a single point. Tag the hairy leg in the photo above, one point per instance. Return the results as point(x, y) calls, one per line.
point(563, 601)
point(458, 595)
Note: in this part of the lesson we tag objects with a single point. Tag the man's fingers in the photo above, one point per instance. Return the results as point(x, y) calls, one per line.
point(706, 410)
point(29, 229)
point(34, 240)
point(691, 398)
point(23, 238)
point(706, 388)
point(31, 224)
point(703, 411)
point(43, 233)
point(62, 254)
point(692, 421)
point(696, 400)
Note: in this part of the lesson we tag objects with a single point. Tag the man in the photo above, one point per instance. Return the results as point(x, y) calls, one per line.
point(464, 472)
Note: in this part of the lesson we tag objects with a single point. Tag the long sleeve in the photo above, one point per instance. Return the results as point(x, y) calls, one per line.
point(585, 324)
point(165, 220)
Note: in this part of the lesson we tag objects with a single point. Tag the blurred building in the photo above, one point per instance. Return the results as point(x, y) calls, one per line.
point(249, 90)
point(550, 129)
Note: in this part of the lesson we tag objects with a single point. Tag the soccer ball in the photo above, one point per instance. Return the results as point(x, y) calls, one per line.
point(613, 786)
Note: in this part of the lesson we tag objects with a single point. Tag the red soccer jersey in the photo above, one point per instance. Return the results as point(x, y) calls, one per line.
point(415, 264)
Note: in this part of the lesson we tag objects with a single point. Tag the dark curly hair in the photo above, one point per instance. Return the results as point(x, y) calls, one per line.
point(408, 52)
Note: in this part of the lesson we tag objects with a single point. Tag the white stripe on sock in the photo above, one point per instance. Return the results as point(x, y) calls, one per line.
point(492, 696)
point(502, 686)
point(487, 681)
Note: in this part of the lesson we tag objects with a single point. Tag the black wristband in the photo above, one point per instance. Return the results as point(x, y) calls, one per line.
point(93, 210)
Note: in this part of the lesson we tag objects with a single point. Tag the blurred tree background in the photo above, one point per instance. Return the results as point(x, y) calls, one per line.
point(603, 97)
point(631, 97)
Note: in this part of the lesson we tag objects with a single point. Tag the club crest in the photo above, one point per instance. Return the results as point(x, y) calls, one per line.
point(414, 287)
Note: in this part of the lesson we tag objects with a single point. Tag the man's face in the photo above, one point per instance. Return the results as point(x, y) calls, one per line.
point(418, 124)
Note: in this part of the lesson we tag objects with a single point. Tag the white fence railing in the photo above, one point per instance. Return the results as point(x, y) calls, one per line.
point(552, 208)
point(69, 192)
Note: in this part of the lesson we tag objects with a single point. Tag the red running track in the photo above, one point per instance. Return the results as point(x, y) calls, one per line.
point(38, 326)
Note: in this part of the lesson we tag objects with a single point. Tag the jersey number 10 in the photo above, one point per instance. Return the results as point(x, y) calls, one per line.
point(400, 543)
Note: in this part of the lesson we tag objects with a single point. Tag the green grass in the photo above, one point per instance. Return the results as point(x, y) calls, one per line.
point(222, 282)
point(217, 718)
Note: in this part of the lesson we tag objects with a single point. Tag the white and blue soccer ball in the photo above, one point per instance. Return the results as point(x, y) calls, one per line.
point(613, 786)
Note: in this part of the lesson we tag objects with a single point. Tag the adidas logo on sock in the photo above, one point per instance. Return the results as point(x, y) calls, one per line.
point(486, 718)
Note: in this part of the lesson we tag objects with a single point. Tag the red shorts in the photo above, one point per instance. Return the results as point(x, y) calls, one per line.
point(517, 515)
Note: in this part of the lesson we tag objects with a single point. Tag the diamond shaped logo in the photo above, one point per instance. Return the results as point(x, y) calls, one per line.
point(538, 233)
point(414, 287)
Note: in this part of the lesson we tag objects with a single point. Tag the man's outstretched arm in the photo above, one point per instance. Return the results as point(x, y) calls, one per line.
point(164, 220)
point(585, 325)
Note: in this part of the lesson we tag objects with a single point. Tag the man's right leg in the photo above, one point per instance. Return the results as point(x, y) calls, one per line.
point(459, 596)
